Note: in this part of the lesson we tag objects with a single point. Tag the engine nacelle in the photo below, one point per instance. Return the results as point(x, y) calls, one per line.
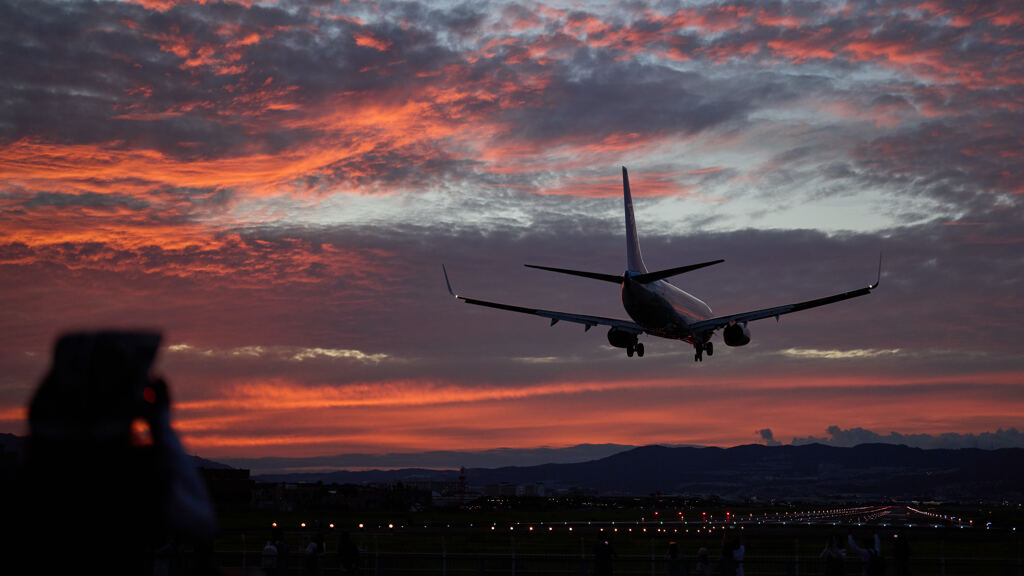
point(736, 335)
point(621, 338)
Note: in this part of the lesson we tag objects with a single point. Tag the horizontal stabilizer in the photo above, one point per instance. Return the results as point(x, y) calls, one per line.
point(593, 275)
point(645, 278)
point(649, 277)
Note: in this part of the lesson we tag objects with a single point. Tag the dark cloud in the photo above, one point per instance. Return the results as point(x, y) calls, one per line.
point(599, 97)
point(768, 437)
point(1009, 438)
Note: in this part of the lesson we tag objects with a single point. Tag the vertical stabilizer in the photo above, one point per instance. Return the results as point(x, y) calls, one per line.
point(634, 260)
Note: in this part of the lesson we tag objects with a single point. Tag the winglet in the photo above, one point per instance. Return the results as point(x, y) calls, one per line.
point(447, 283)
point(879, 279)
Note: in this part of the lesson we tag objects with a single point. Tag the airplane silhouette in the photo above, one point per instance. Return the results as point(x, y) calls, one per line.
point(659, 308)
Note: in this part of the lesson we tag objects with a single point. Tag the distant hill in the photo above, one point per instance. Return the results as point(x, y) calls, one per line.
point(14, 446)
point(809, 472)
point(430, 459)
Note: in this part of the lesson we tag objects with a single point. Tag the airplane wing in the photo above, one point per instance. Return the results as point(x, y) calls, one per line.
point(587, 321)
point(715, 323)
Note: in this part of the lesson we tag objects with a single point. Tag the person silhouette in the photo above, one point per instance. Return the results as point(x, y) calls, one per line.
point(268, 559)
point(871, 561)
point(703, 562)
point(313, 553)
point(676, 565)
point(283, 551)
point(102, 458)
point(834, 557)
point(348, 554)
point(732, 554)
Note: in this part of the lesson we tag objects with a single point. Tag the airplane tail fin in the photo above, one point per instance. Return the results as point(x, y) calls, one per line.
point(634, 259)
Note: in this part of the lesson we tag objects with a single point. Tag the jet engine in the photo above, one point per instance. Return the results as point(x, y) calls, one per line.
point(736, 334)
point(621, 338)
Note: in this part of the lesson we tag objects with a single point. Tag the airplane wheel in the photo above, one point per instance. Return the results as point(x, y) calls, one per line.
point(710, 348)
point(629, 351)
point(640, 350)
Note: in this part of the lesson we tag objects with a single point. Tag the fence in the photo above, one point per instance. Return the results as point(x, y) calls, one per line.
point(442, 563)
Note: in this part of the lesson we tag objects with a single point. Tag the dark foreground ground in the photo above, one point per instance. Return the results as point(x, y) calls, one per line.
point(539, 537)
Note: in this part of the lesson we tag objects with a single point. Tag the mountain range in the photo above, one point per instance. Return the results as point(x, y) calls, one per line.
point(766, 473)
point(807, 472)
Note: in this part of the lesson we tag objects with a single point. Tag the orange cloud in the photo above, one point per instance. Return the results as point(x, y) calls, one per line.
point(930, 63)
point(371, 41)
point(801, 50)
point(420, 415)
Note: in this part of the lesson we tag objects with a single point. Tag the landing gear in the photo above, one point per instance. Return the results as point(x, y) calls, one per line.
point(638, 348)
point(702, 347)
point(626, 339)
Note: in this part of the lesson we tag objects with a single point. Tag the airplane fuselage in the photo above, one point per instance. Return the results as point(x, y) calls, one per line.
point(662, 308)
point(659, 308)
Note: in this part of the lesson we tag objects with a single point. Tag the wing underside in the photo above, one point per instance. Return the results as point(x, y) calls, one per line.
point(707, 326)
point(554, 315)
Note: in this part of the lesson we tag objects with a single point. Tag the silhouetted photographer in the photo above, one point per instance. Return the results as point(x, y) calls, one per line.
point(105, 481)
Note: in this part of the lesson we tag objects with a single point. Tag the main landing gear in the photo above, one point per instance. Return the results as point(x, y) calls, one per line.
point(702, 347)
point(638, 348)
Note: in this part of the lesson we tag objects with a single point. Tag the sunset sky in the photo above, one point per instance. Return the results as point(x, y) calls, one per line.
point(275, 185)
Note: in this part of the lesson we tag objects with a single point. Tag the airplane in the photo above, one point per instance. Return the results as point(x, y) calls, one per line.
point(658, 308)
